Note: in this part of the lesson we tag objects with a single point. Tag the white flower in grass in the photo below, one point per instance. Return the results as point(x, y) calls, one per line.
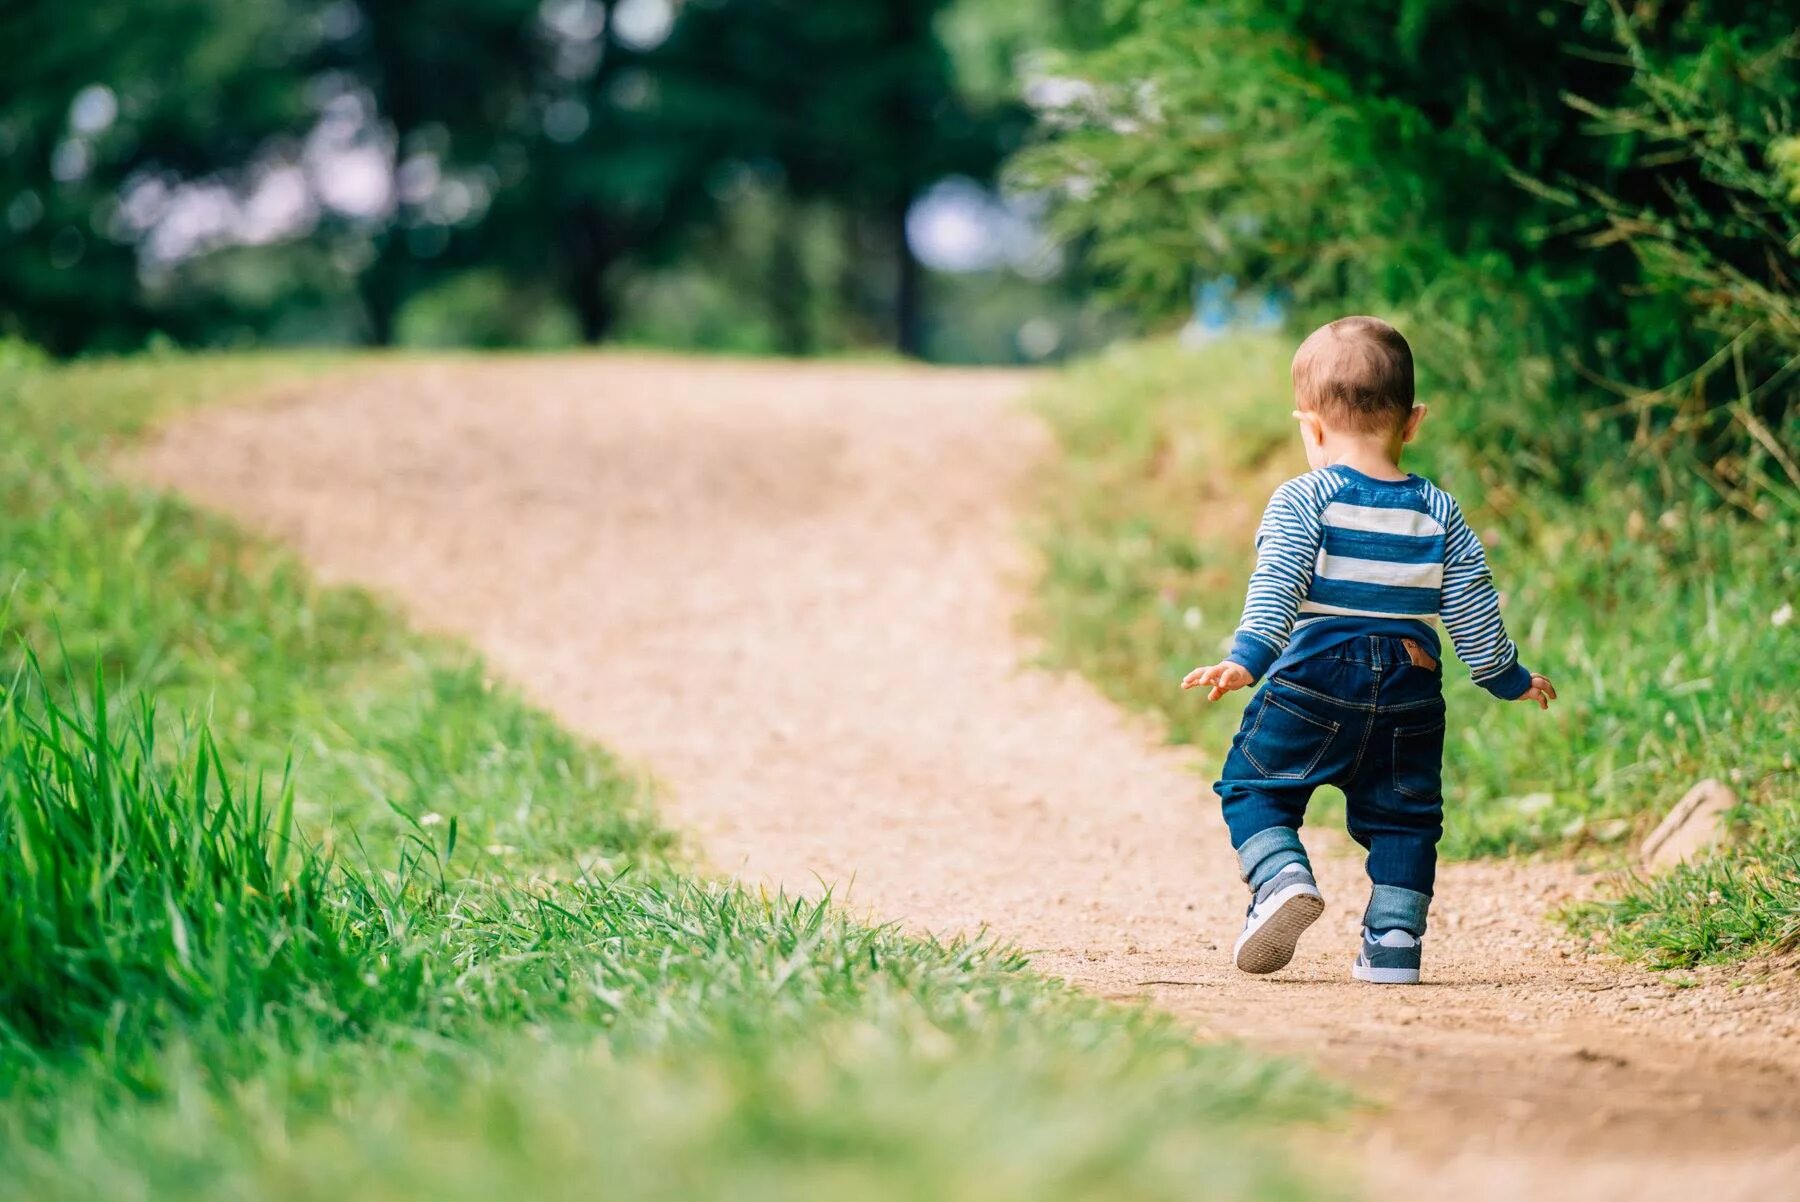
point(1191, 619)
point(1782, 616)
point(432, 819)
point(1533, 803)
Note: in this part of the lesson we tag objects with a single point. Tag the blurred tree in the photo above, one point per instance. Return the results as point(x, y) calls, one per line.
point(231, 169)
point(450, 81)
point(606, 183)
point(96, 98)
point(855, 103)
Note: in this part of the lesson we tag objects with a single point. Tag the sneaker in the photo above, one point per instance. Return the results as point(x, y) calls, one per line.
point(1285, 905)
point(1390, 958)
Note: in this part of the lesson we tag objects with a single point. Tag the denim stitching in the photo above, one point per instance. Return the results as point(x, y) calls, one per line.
point(1393, 708)
point(1374, 696)
point(1331, 728)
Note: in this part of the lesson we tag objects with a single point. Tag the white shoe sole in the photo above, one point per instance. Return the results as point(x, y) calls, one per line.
point(1268, 943)
point(1385, 976)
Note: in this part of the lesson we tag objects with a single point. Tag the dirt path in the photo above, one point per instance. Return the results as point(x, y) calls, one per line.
point(790, 591)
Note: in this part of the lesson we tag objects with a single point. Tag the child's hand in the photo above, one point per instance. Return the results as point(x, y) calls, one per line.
point(1224, 677)
point(1541, 691)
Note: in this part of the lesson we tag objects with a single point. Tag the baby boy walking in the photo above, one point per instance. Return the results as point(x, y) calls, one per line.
point(1353, 560)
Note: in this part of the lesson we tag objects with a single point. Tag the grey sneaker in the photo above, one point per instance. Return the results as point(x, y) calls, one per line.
point(1285, 905)
point(1388, 958)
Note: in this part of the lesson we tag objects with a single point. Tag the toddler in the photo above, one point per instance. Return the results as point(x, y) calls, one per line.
point(1353, 561)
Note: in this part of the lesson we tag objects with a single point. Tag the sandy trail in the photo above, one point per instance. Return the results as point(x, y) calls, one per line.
point(790, 591)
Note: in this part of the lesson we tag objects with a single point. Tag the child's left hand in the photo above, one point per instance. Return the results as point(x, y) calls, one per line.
point(1224, 677)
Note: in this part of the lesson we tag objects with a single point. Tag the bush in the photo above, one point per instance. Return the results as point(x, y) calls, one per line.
point(1563, 204)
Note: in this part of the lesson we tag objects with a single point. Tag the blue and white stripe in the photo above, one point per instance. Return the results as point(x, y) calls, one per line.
point(1341, 554)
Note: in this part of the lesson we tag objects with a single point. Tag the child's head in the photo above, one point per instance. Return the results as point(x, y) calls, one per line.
point(1355, 377)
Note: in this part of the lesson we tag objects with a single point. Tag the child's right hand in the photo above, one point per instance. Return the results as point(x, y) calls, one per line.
point(1224, 677)
point(1541, 691)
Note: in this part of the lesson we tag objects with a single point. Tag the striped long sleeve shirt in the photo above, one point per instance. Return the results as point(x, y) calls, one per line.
point(1341, 555)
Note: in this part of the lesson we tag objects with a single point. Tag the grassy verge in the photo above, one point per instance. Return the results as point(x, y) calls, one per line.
point(1669, 629)
point(449, 954)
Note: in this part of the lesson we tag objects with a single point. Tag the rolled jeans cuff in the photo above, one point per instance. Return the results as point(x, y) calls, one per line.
point(1392, 907)
point(1267, 852)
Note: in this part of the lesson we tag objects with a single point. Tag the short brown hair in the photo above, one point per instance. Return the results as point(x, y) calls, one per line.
point(1356, 373)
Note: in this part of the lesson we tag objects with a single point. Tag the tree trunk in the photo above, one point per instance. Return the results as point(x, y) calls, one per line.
point(589, 251)
point(594, 310)
point(909, 327)
point(379, 289)
point(909, 132)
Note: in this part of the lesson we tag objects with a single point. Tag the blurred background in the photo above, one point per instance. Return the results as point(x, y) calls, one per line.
point(765, 176)
point(1572, 205)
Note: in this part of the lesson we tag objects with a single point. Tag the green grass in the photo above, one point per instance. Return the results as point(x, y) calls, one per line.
point(336, 915)
point(1660, 623)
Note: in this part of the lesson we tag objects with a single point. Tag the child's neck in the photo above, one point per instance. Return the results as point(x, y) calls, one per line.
point(1378, 458)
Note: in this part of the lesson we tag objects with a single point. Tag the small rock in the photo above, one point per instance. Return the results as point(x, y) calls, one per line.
point(1612, 830)
point(1695, 825)
point(1594, 1056)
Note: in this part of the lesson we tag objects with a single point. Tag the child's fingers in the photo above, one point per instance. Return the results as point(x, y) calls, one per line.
point(1543, 683)
point(1230, 679)
point(1222, 677)
point(1199, 676)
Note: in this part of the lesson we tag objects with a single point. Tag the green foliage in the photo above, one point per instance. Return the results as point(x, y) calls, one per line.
point(1718, 242)
point(467, 966)
point(185, 166)
point(879, 117)
point(94, 98)
point(481, 308)
point(1558, 202)
point(1668, 628)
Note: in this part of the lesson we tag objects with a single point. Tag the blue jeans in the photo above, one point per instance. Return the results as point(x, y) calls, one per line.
point(1366, 717)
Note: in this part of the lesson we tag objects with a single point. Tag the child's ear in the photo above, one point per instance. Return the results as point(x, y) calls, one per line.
point(1312, 434)
point(1414, 420)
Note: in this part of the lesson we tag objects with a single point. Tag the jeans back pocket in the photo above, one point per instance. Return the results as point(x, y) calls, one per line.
point(1419, 760)
point(1285, 742)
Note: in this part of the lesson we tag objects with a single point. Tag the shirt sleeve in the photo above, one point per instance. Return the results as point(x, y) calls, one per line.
point(1287, 548)
point(1470, 611)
